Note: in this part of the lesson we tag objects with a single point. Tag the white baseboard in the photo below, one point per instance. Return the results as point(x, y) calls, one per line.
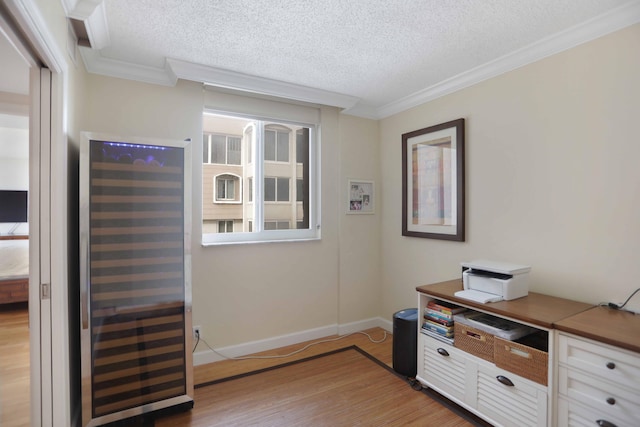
point(361, 325)
point(209, 356)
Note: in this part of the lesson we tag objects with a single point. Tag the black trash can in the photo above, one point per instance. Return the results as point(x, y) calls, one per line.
point(405, 342)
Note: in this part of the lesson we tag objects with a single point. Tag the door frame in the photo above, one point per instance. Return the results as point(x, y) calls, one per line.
point(48, 240)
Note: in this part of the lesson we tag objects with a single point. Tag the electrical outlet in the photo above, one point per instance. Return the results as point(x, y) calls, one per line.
point(197, 332)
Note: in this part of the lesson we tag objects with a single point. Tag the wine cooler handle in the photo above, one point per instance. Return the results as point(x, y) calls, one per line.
point(84, 287)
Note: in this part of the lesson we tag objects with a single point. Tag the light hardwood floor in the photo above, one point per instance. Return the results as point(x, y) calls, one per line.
point(226, 368)
point(14, 365)
point(14, 371)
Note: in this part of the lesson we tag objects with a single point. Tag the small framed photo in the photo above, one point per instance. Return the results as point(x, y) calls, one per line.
point(361, 197)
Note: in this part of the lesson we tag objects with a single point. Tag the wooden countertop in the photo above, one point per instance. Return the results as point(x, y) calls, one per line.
point(616, 327)
point(537, 309)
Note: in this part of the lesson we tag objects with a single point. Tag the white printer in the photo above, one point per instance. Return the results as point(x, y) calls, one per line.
point(489, 281)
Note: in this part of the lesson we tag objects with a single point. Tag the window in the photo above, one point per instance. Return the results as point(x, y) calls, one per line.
point(299, 190)
point(276, 145)
point(276, 189)
point(225, 226)
point(226, 187)
point(277, 163)
point(221, 149)
point(276, 225)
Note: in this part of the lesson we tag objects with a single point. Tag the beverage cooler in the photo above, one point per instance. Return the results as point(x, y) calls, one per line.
point(135, 315)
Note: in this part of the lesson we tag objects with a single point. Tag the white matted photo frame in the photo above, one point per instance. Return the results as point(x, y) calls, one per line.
point(433, 182)
point(360, 197)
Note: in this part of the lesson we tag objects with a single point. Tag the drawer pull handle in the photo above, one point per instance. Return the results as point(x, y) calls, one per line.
point(605, 423)
point(611, 365)
point(517, 352)
point(611, 401)
point(442, 351)
point(475, 336)
point(504, 380)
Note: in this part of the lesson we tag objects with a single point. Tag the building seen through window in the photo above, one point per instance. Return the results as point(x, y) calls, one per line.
point(255, 175)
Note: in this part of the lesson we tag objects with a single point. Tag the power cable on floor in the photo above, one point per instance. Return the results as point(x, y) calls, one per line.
point(281, 356)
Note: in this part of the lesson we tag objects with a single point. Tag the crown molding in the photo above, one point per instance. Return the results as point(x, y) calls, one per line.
point(609, 22)
point(97, 64)
point(616, 19)
point(94, 16)
point(258, 85)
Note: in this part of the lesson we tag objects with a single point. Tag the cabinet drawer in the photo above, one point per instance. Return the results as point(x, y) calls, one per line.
point(609, 363)
point(571, 414)
point(521, 359)
point(473, 341)
point(522, 404)
point(602, 397)
point(443, 367)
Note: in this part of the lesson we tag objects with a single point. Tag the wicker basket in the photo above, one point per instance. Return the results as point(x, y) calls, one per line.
point(474, 341)
point(521, 359)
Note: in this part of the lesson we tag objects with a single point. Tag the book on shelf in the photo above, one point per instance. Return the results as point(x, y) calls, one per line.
point(439, 320)
point(448, 340)
point(446, 331)
point(445, 307)
point(438, 316)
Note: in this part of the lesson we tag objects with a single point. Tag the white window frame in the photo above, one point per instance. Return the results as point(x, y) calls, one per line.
point(258, 234)
point(238, 183)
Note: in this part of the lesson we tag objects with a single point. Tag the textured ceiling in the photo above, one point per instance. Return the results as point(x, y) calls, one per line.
point(377, 51)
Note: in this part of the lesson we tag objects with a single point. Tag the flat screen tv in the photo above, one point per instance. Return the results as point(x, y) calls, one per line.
point(13, 206)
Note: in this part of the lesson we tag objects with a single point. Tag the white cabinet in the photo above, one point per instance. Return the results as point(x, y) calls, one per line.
point(473, 384)
point(494, 386)
point(522, 404)
point(444, 366)
point(598, 384)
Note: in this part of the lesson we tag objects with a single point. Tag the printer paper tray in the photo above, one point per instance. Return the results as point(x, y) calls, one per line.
point(478, 296)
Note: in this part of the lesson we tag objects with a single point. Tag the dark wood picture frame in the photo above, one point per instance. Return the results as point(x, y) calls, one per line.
point(433, 182)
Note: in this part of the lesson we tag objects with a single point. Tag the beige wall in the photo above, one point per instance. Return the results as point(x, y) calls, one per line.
point(552, 177)
point(360, 267)
point(244, 293)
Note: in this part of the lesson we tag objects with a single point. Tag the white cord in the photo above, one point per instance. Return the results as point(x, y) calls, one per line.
point(293, 352)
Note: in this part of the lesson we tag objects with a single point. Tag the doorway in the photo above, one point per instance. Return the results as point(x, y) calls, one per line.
point(14, 231)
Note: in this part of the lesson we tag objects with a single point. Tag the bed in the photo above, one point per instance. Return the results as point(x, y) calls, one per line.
point(14, 269)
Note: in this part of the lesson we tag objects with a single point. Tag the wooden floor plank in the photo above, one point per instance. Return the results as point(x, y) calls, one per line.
point(345, 388)
point(307, 387)
point(14, 365)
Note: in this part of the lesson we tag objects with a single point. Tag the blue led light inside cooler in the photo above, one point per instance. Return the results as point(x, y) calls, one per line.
point(128, 153)
point(125, 144)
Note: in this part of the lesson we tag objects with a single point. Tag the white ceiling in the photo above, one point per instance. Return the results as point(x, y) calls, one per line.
point(373, 58)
